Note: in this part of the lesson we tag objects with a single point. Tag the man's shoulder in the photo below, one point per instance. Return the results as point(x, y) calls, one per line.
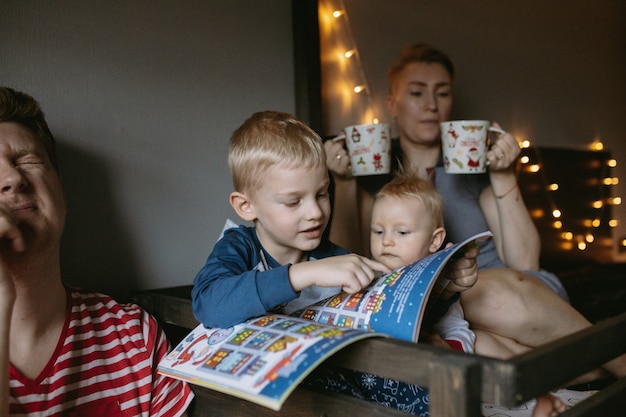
point(104, 307)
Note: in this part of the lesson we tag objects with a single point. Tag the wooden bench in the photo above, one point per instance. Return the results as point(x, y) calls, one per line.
point(458, 382)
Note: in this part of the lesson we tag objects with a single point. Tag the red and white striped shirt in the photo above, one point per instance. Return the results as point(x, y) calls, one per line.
point(105, 364)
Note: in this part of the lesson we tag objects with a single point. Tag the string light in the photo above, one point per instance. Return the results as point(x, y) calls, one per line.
point(597, 145)
point(580, 239)
point(348, 88)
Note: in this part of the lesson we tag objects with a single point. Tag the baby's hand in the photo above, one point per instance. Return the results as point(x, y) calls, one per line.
point(350, 272)
point(463, 272)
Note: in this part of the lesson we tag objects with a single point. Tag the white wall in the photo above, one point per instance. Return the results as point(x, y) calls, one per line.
point(142, 96)
point(549, 71)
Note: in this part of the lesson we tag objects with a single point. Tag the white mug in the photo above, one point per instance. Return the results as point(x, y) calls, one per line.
point(464, 145)
point(369, 148)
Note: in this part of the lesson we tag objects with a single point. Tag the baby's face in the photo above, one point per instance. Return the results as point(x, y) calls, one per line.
point(401, 231)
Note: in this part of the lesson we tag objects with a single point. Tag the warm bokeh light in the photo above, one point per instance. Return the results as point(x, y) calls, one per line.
point(524, 159)
point(597, 204)
point(567, 235)
point(589, 238)
point(612, 163)
point(359, 88)
point(557, 224)
point(597, 145)
point(337, 13)
point(553, 187)
point(596, 223)
point(556, 213)
point(613, 223)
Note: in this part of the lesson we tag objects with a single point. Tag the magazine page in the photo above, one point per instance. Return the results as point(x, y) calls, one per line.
point(261, 360)
point(395, 303)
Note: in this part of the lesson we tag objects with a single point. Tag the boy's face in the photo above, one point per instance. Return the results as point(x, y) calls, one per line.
point(292, 208)
point(402, 231)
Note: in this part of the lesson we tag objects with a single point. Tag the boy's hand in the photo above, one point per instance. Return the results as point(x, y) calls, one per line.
point(463, 272)
point(350, 272)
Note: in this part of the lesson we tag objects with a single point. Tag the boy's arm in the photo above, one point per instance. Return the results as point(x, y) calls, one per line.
point(228, 290)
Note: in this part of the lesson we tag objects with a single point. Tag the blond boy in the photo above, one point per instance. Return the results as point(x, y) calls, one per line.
point(281, 181)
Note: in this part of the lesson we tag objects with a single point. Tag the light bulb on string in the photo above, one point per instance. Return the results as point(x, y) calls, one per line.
point(597, 145)
point(534, 168)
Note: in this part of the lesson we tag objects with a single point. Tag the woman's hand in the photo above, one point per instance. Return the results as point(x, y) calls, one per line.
point(502, 154)
point(337, 159)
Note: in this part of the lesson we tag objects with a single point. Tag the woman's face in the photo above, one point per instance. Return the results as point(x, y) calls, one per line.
point(421, 99)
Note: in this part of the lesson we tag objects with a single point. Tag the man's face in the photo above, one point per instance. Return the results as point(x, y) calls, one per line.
point(30, 188)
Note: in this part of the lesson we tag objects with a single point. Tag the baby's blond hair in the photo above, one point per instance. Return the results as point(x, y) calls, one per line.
point(411, 186)
point(271, 138)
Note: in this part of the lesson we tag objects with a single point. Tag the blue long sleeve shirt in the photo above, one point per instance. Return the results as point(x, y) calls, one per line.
point(240, 280)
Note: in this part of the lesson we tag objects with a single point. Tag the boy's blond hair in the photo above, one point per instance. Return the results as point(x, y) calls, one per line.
point(270, 138)
point(411, 186)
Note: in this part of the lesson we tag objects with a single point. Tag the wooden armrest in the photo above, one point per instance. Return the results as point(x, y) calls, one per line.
point(457, 382)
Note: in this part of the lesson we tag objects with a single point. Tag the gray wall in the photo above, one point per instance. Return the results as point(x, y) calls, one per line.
point(142, 97)
point(549, 71)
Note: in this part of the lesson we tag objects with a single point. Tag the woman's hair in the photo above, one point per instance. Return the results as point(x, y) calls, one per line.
point(411, 186)
point(21, 108)
point(419, 52)
point(271, 138)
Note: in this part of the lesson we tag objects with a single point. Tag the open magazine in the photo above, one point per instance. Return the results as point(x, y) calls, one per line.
point(263, 359)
